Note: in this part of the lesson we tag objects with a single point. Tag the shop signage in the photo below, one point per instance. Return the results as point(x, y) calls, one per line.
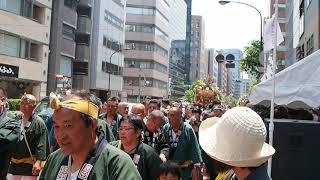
point(9, 71)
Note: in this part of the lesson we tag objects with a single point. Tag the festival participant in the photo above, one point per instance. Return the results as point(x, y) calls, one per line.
point(144, 157)
point(184, 147)
point(152, 134)
point(111, 117)
point(33, 146)
point(123, 108)
point(139, 110)
point(237, 141)
point(9, 134)
point(170, 171)
point(83, 154)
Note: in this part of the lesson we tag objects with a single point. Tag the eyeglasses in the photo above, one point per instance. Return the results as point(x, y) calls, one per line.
point(125, 129)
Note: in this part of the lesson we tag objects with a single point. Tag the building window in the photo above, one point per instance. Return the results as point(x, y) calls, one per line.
point(114, 20)
point(146, 28)
point(9, 45)
point(198, 25)
point(119, 2)
point(310, 45)
point(20, 48)
point(104, 41)
point(145, 64)
point(19, 7)
point(141, 11)
point(111, 68)
point(65, 65)
point(147, 46)
point(68, 32)
point(70, 3)
point(301, 20)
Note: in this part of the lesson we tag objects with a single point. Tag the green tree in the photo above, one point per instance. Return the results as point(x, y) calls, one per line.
point(250, 63)
point(190, 94)
point(228, 100)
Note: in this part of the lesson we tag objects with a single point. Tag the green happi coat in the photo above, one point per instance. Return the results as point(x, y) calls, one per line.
point(9, 134)
point(187, 148)
point(105, 129)
point(37, 137)
point(146, 159)
point(115, 123)
point(111, 164)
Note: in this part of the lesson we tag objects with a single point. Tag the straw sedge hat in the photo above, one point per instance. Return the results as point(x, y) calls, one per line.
point(236, 139)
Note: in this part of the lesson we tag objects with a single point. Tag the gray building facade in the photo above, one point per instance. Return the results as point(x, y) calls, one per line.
point(198, 68)
point(106, 69)
point(178, 23)
point(70, 43)
point(145, 71)
point(24, 46)
point(234, 73)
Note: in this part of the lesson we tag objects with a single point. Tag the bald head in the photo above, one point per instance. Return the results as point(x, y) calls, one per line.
point(139, 110)
point(155, 121)
point(157, 115)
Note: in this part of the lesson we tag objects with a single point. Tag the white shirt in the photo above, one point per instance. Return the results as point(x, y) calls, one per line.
point(74, 175)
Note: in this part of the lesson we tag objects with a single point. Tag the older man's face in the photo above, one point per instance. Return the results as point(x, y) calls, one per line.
point(27, 104)
point(174, 116)
point(71, 132)
point(123, 109)
point(139, 111)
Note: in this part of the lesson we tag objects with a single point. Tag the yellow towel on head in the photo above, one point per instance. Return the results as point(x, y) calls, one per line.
point(82, 106)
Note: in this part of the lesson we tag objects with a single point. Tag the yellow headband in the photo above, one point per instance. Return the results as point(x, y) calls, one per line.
point(82, 106)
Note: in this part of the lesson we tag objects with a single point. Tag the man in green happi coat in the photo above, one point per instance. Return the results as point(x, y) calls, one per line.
point(184, 147)
point(111, 118)
point(83, 154)
point(9, 134)
point(33, 145)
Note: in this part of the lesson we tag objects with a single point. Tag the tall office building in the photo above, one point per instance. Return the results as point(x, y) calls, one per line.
point(213, 65)
point(234, 73)
point(107, 44)
point(198, 66)
point(281, 49)
point(309, 27)
point(244, 84)
point(177, 73)
point(146, 65)
point(70, 43)
point(24, 46)
point(188, 41)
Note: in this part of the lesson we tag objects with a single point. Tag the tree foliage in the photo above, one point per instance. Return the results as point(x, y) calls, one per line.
point(250, 63)
point(190, 94)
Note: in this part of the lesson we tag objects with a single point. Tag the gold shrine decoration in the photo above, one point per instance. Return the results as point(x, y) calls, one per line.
point(206, 94)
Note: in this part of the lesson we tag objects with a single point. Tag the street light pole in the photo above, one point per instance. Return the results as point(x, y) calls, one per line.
point(109, 72)
point(261, 38)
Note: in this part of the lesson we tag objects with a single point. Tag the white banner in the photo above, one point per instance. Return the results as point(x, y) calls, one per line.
point(270, 29)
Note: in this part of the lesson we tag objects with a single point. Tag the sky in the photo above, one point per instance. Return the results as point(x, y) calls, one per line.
point(232, 25)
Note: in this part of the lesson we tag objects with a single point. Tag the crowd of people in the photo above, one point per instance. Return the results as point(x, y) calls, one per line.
point(157, 139)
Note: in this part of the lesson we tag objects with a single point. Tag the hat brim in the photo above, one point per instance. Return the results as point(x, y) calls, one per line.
point(208, 139)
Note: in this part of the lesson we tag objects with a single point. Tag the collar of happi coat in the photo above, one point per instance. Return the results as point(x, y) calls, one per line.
point(87, 166)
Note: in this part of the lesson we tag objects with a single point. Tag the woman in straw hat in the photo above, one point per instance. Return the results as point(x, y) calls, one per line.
point(237, 141)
